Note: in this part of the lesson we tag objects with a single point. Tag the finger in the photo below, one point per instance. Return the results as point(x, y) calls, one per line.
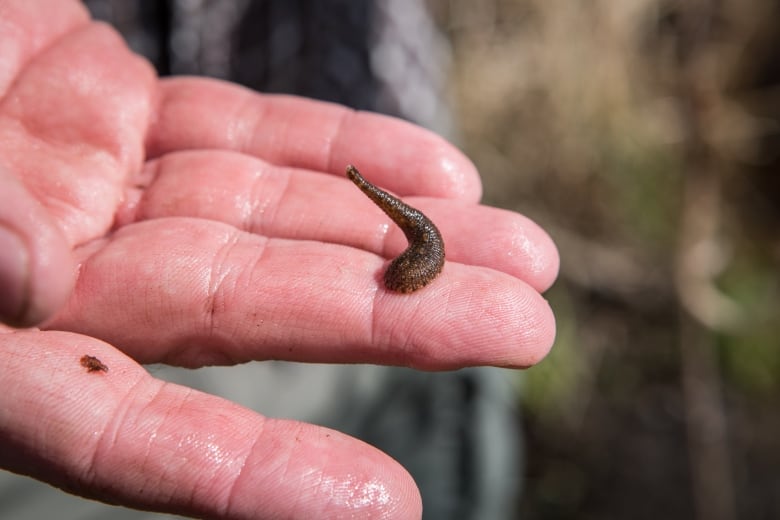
point(291, 131)
point(289, 203)
point(25, 32)
point(121, 436)
point(195, 292)
point(36, 266)
point(72, 126)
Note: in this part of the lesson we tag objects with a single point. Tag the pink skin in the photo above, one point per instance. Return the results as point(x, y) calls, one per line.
point(211, 224)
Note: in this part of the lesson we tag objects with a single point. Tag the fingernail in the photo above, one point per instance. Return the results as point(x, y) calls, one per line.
point(13, 276)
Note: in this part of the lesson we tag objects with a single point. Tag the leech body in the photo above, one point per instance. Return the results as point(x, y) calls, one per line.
point(423, 260)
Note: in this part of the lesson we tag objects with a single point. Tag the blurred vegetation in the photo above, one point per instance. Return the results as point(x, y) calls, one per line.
point(645, 136)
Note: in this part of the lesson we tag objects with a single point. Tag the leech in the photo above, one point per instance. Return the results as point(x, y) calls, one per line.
point(423, 260)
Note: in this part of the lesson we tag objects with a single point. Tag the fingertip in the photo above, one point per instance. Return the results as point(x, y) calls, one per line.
point(460, 178)
point(534, 337)
point(544, 260)
point(335, 476)
point(545, 331)
point(384, 488)
point(529, 332)
point(472, 317)
point(500, 239)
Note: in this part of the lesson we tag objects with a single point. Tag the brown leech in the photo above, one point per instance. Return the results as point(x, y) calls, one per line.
point(423, 260)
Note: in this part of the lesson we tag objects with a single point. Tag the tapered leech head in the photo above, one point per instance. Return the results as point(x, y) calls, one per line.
point(423, 260)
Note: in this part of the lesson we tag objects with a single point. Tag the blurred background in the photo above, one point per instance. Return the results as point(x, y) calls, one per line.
point(643, 135)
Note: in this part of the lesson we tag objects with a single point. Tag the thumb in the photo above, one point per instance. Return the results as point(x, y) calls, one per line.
point(36, 264)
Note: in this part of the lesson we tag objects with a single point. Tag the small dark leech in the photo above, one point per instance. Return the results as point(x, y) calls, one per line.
point(424, 258)
point(92, 364)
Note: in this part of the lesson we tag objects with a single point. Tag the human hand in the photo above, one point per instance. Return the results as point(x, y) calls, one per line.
point(213, 225)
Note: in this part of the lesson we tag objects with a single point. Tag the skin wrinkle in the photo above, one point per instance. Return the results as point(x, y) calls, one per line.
point(90, 473)
point(258, 455)
point(317, 152)
point(218, 273)
point(153, 435)
point(269, 218)
point(242, 130)
point(403, 348)
point(194, 441)
point(335, 137)
point(217, 459)
point(249, 269)
point(258, 136)
point(232, 493)
point(257, 206)
point(109, 439)
point(285, 468)
point(161, 425)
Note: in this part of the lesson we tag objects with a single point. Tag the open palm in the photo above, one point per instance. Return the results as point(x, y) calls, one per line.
point(193, 222)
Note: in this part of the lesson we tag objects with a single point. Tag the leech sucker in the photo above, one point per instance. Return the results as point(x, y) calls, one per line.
point(423, 260)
